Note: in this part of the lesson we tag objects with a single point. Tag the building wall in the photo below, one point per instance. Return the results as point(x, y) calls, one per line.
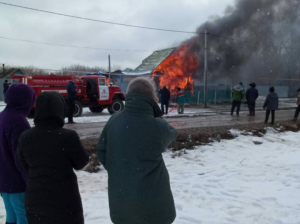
point(1, 89)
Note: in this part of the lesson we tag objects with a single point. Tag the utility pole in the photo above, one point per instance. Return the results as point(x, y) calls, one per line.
point(109, 67)
point(205, 69)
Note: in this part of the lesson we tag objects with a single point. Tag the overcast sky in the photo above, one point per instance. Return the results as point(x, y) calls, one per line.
point(19, 23)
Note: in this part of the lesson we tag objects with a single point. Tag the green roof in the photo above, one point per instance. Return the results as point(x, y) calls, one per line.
point(154, 60)
point(9, 71)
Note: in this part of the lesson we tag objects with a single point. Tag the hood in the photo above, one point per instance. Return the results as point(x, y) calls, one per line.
point(20, 97)
point(142, 104)
point(50, 110)
point(238, 88)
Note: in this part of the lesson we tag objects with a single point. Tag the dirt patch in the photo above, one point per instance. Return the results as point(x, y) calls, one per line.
point(90, 145)
point(189, 138)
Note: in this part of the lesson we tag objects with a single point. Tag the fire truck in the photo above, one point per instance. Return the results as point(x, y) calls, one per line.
point(93, 91)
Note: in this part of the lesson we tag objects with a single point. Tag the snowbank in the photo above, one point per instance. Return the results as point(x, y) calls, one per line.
point(246, 180)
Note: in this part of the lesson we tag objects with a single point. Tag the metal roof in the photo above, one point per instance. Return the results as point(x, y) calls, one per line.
point(154, 60)
point(9, 71)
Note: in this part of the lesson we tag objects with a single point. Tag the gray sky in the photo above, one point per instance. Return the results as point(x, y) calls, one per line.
point(18, 23)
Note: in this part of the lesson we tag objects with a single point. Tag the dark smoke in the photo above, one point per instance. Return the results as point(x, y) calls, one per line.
point(269, 46)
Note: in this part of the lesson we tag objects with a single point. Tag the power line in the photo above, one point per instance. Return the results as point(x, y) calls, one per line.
point(71, 46)
point(96, 20)
point(121, 24)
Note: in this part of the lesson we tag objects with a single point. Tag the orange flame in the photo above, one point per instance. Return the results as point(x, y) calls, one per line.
point(177, 70)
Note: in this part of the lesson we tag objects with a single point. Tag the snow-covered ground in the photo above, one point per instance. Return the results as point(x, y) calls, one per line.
point(227, 182)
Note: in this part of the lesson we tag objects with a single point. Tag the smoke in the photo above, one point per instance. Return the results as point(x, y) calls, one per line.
point(267, 45)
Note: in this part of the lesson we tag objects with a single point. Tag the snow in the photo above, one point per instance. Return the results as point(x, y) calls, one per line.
point(227, 182)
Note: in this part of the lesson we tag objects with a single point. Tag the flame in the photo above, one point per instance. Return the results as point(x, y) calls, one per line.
point(177, 70)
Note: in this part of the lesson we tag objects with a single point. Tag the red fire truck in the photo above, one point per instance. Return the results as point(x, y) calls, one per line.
point(93, 92)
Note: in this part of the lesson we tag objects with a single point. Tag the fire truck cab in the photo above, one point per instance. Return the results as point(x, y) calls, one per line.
point(93, 91)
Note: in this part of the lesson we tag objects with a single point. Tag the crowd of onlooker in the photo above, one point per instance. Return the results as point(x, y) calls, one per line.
point(37, 179)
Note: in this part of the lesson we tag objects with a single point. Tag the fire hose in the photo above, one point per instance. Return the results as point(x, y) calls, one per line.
point(173, 108)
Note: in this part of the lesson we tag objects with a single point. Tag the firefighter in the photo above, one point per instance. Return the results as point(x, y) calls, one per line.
point(72, 92)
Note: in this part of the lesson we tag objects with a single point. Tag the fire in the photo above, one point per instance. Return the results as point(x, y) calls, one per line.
point(177, 70)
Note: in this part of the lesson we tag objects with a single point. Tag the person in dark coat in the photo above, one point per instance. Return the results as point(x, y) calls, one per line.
point(165, 98)
point(271, 104)
point(298, 108)
point(50, 153)
point(251, 97)
point(5, 87)
point(13, 179)
point(72, 92)
point(130, 148)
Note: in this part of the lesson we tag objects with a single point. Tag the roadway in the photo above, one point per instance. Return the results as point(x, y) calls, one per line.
point(205, 120)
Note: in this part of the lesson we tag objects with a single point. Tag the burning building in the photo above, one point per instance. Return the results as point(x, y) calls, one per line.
point(173, 67)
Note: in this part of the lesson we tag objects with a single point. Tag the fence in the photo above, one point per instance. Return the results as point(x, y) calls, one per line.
point(215, 95)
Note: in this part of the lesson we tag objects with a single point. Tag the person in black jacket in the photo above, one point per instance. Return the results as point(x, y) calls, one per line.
point(165, 98)
point(50, 153)
point(251, 97)
point(271, 104)
point(72, 92)
point(5, 87)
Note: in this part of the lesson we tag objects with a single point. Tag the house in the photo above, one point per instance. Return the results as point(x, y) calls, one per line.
point(145, 69)
point(5, 74)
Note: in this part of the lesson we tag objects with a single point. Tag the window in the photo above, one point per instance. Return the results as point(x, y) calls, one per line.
point(101, 82)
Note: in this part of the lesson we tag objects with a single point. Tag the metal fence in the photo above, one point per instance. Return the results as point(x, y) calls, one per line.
point(215, 95)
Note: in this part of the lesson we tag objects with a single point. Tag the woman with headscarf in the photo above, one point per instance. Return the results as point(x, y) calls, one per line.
point(130, 148)
point(50, 153)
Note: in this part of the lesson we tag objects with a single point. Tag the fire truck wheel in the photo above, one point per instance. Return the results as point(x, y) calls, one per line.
point(116, 106)
point(96, 109)
point(78, 109)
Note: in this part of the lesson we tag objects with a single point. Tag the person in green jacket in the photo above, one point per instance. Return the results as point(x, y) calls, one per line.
point(130, 148)
point(238, 94)
point(180, 101)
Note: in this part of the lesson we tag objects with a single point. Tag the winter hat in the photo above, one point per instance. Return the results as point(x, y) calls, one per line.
point(272, 89)
point(144, 86)
point(241, 83)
